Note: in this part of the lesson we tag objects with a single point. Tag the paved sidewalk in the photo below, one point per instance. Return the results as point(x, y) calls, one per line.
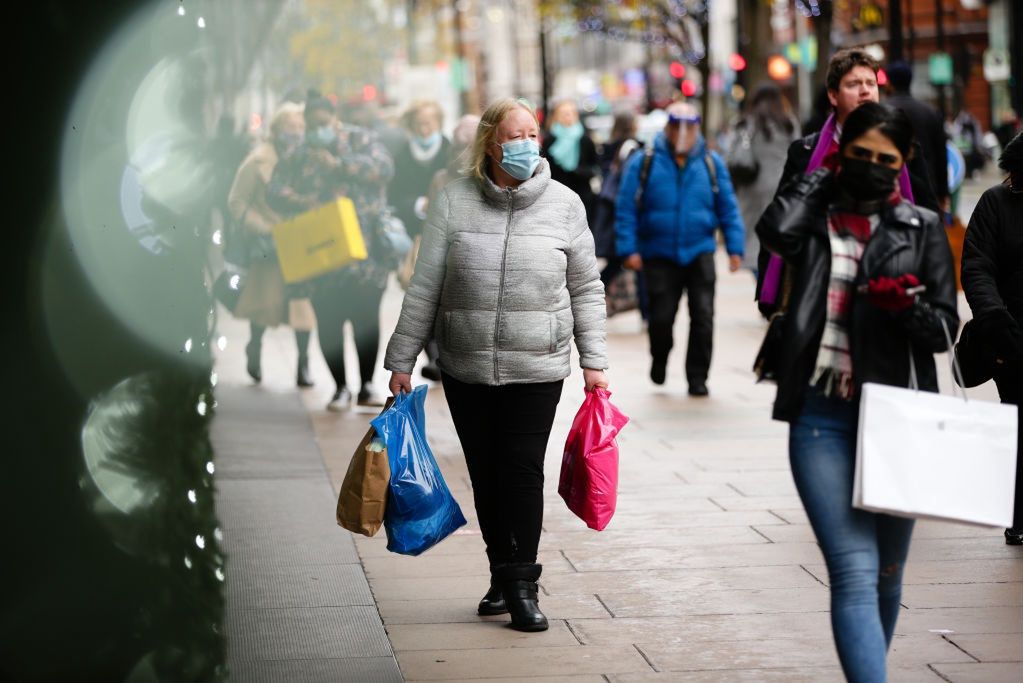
point(708, 572)
point(298, 605)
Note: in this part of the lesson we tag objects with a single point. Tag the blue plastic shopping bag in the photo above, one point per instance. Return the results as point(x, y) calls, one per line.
point(420, 512)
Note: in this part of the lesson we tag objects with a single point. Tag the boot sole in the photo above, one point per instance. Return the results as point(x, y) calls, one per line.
point(491, 611)
point(529, 628)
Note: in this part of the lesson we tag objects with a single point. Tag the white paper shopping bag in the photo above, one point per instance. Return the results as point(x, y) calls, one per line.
point(925, 455)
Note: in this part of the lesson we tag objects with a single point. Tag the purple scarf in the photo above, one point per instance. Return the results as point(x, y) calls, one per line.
point(772, 276)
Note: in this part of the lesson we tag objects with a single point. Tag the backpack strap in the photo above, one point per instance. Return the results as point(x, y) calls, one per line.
point(712, 170)
point(644, 175)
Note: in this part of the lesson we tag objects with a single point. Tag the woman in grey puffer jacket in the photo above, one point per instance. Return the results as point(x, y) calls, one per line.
point(506, 277)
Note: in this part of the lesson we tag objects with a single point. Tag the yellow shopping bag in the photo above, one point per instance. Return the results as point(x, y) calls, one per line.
point(319, 241)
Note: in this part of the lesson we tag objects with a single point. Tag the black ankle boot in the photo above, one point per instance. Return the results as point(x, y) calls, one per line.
point(253, 350)
point(493, 602)
point(518, 584)
point(303, 379)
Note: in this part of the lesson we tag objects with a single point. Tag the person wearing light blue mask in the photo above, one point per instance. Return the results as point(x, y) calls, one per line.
point(572, 154)
point(506, 279)
point(426, 152)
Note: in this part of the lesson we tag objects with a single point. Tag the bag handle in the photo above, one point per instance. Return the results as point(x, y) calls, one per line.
point(957, 372)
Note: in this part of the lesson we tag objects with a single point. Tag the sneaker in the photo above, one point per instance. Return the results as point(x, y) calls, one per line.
point(431, 372)
point(698, 389)
point(368, 397)
point(658, 372)
point(341, 401)
point(1014, 536)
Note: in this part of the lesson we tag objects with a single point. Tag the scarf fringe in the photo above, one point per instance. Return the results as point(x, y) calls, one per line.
point(834, 383)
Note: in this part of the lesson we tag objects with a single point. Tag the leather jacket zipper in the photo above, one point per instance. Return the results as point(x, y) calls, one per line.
point(500, 289)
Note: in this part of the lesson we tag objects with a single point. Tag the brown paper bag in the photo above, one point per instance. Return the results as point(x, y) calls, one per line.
point(363, 497)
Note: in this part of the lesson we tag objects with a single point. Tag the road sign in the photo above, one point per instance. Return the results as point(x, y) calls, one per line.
point(940, 68)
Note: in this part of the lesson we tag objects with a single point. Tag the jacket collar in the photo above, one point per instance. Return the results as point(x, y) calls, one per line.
point(522, 196)
point(905, 215)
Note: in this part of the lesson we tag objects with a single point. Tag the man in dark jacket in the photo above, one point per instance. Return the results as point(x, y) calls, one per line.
point(685, 196)
point(928, 127)
point(992, 277)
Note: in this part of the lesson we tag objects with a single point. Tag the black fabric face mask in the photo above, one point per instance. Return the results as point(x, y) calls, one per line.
point(866, 181)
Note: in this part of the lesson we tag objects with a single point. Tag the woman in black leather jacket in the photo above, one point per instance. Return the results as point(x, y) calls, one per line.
point(873, 285)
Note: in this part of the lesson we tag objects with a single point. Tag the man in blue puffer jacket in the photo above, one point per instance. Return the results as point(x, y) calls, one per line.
point(670, 204)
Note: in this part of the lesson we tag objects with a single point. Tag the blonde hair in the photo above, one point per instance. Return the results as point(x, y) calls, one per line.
point(409, 117)
point(487, 131)
point(287, 109)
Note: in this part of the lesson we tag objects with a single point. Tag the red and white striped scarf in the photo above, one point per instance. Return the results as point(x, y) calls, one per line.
point(848, 233)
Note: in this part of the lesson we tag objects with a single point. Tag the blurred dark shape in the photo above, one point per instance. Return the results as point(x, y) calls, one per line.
point(1007, 128)
point(900, 75)
point(97, 585)
point(1011, 160)
point(624, 128)
point(368, 114)
point(819, 114)
point(228, 149)
point(928, 126)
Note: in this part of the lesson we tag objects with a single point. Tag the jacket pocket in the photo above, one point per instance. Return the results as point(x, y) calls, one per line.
point(531, 331)
point(467, 331)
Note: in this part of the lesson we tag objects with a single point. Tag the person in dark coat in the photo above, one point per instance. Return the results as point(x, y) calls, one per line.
point(856, 247)
point(425, 152)
point(572, 154)
point(992, 276)
point(928, 128)
point(851, 81)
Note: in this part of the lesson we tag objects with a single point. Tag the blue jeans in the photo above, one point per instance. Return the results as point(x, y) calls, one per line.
point(865, 552)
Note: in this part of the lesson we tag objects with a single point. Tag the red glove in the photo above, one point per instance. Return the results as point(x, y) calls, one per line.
point(889, 293)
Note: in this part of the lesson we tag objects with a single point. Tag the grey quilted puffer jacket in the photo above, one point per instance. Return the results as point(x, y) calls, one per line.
point(505, 279)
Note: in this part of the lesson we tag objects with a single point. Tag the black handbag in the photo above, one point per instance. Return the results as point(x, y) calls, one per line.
point(976, 358)
point(743, 166)
point(765, 365)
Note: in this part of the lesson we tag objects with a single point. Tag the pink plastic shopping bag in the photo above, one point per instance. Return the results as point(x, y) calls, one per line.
point(589, 468)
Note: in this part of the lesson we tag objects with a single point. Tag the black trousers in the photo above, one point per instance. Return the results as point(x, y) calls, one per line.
point(504, 432)
point(359, 304)
point(1010, 390)
point(666, 281)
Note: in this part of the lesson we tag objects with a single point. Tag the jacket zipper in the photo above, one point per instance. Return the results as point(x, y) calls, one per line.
point(500, 289)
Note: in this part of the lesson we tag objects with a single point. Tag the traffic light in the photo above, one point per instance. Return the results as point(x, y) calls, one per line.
point(737, 62)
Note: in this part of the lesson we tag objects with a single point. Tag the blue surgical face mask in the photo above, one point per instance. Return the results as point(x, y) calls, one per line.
point(429, 141)
point(521, 157)
point(325, 135)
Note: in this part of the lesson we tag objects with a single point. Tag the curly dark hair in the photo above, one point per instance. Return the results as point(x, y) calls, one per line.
point(844, 61)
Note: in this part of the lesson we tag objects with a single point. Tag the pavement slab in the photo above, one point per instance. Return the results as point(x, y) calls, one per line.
point(980, 672)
